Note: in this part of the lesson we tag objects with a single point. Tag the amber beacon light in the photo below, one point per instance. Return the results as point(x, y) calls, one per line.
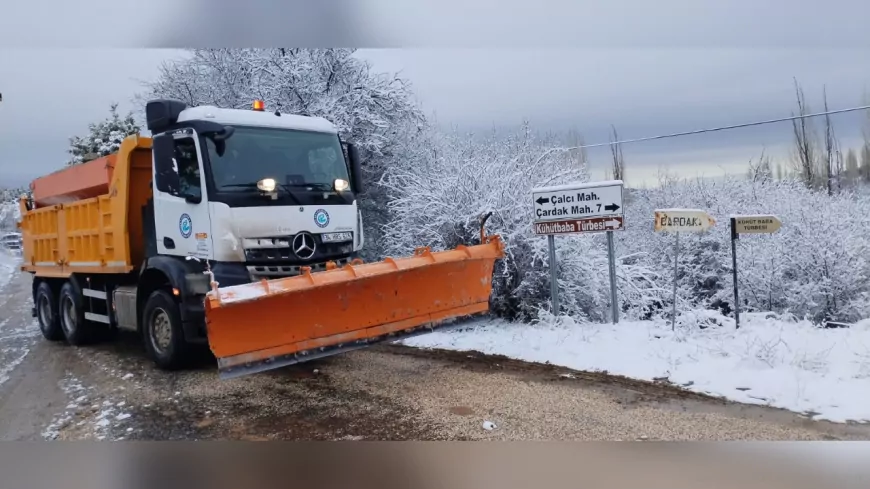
point(259, 105)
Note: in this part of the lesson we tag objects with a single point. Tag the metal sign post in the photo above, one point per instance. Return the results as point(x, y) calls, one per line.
point(676, 272)
point(611, 255)
point(678, 221)
point(554, 280)
point(579, 209)
point(755, 224)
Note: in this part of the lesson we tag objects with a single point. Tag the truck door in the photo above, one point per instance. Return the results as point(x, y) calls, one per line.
point(182, 222)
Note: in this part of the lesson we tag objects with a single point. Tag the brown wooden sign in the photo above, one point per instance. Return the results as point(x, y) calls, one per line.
point(756, 224)
point(579, 226)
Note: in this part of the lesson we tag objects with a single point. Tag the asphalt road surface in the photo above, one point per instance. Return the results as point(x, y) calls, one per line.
point(111, 392)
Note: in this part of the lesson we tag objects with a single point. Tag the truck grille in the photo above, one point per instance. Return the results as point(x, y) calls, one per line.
point(280, 250)
point(273, 257)
point(279, 271)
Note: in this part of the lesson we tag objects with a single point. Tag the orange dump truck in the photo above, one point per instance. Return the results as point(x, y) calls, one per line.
point(238, 229)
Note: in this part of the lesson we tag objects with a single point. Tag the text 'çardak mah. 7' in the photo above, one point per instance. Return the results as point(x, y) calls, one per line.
point(578, 208)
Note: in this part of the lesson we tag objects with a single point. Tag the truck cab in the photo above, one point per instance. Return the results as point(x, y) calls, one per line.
point(255, 194)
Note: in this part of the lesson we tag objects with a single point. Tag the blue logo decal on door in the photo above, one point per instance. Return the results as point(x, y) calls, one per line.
point(185, 225)
point(321, 218)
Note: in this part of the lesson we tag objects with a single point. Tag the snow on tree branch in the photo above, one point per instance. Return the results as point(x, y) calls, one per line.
point(103, 138)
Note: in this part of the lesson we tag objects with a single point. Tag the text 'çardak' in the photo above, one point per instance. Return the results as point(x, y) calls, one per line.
point(683, 220)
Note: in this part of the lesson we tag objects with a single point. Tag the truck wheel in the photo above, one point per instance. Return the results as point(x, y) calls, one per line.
point(72, 316)
point(46, 313)
point(162, 331)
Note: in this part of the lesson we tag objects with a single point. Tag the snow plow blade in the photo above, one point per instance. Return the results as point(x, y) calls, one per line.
point(266, 325)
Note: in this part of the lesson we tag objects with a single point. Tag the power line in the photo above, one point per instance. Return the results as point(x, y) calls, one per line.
point(735, 126)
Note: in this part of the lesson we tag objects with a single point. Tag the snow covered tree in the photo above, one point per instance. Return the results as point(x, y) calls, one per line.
point(760, 171)
point(865, 163)
point(104, 137)
point(806, 157)
point(617, 171)
point(376, 111)
point(852, 169)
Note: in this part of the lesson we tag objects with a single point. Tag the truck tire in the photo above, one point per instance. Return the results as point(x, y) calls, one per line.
point(46, 313)
point(162, 331)
point(76, 329)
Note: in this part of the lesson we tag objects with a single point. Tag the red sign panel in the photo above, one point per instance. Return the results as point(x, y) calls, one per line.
point(578, 226)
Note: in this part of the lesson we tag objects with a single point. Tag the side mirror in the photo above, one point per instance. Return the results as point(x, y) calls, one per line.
point(225, 134)
point(220, 139)
point(355, 168)
point(165, 174)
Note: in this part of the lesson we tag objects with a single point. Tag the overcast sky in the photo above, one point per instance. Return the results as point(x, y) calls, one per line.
point(51, 94)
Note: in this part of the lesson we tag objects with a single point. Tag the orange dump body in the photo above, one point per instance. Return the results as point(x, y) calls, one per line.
point(77, 182)
point(265, 325)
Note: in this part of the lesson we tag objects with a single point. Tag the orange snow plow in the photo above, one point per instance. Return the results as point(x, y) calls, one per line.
point(275, 323)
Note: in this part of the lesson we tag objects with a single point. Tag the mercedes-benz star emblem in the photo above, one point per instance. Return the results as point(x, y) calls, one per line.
point(304, 245)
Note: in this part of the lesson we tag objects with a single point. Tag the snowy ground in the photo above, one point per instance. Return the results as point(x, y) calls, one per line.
point(8, 264)
point(773, 361)
point(14, 342)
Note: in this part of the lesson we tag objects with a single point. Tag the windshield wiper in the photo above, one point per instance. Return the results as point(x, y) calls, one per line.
point(320, 186)
point(284, 187)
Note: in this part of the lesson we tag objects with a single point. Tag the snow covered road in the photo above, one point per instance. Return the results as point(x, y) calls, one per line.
point(15, 340)
point(110, 391)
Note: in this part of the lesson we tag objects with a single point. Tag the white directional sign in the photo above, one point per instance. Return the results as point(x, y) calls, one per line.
point(682, 220)
point(577, 203)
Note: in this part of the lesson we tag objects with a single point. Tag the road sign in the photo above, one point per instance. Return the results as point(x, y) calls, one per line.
point(756, 224)
point(579, 208)
point(571, 226)
point(578, 201)
point(682, 220)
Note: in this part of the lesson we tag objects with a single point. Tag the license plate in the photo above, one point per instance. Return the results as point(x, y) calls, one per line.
point(336, 237)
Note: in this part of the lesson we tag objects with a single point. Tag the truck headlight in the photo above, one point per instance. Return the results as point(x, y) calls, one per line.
point(336, 237)
point(267, 185)
point(341, 185)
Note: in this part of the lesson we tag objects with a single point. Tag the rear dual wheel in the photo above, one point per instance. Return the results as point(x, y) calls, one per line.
point(46, 312)
point(62, 317)
point(76, 329)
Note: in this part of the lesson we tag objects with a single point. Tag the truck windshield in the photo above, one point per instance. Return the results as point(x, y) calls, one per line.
point(294, 158)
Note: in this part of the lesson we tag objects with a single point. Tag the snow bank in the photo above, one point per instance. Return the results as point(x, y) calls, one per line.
point(769, 361)
point(8, 265)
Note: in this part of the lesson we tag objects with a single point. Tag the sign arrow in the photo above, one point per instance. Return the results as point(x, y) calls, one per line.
point(613, 223)
point(611, 207)
point(542, 200)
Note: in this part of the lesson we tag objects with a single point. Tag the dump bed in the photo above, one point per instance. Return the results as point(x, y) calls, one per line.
point(74, 183)
point(88, 218)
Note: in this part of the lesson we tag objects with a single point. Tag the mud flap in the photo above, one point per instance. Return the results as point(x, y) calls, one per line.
point(270, 324)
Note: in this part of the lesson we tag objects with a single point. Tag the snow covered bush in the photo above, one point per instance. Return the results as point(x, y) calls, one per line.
point(453, 179)
point(104, 138)
point(816, 267)
point(10, 213)
point(377, 111)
